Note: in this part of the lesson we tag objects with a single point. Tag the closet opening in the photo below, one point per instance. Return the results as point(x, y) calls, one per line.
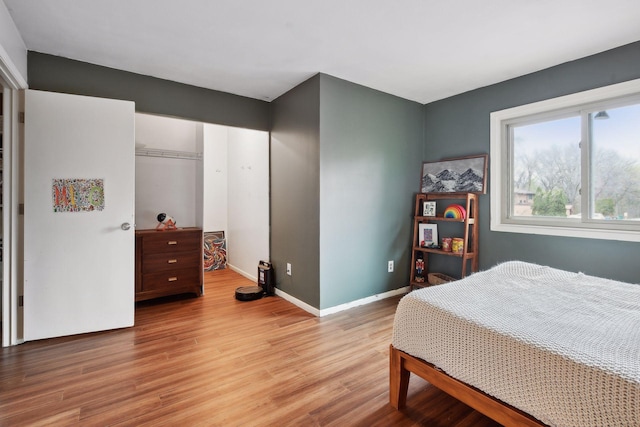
point(208, 176)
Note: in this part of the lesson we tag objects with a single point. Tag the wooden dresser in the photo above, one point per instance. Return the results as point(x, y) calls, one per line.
point(168, 262)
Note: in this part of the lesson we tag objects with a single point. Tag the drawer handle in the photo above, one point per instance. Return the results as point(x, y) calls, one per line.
point(172, 279)
point(172, 242)
point(172, 261)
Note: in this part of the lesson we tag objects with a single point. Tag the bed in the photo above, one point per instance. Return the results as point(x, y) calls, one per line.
point(525, 345)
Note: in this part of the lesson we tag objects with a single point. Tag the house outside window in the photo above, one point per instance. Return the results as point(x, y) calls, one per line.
point(569, 166)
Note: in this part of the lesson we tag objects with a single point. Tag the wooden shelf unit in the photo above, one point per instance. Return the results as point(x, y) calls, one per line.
point(469, 233)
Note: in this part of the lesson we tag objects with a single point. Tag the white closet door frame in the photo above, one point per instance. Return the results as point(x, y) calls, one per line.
point(11, 82)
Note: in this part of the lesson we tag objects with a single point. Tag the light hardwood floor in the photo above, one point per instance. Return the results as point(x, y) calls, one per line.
point(215, 361)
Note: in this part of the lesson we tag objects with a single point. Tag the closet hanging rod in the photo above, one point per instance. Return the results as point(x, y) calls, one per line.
point(170, 154)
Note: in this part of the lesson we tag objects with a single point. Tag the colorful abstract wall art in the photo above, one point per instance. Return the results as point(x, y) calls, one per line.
point(77, 195)
point(215, 251)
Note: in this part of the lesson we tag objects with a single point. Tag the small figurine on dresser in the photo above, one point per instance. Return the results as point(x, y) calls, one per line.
point(165, 222)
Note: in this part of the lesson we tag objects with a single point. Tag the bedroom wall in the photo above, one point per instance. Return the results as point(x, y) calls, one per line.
point(370, 151)
point(165, 98)
point(235, 196)
point(452, 127)
point(151, 95)
point(165, 184)
point(459, 126)
point(295, 191)
point(248, 201)
point(215, 178)
point(345, 163)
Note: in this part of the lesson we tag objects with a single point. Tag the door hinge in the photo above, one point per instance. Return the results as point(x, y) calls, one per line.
point(21, 301)
point(21, 209)
point(21, 117)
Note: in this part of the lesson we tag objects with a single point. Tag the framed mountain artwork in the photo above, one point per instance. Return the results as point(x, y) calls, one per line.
point(458, 175)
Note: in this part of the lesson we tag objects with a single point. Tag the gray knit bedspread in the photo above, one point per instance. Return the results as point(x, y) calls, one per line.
point(563, 347)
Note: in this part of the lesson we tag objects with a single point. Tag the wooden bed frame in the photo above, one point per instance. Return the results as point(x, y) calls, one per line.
point(401, 365)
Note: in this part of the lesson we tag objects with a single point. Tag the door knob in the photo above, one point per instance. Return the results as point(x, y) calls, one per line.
point(125, 226)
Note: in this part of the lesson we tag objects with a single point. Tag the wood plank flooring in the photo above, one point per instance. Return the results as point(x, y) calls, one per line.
point(215, 361)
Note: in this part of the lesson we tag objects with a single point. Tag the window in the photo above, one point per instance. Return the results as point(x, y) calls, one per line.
point(569, 166)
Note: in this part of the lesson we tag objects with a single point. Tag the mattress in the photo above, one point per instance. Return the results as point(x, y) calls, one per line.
point(563, 347)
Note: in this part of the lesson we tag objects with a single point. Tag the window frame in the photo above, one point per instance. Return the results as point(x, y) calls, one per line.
point(582, 104)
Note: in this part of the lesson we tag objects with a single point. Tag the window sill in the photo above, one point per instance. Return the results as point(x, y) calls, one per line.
point(580, 232)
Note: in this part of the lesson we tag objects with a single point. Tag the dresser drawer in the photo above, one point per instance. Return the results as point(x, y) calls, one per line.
point(170, 279)
point(169, 261)
point(163, 242)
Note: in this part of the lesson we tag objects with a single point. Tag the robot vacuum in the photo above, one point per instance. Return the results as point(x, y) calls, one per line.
point(249, 293)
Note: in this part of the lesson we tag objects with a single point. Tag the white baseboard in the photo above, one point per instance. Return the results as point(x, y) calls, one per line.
point(298, 303)
point(243, 273)
point(363, 301)
point(331, 310)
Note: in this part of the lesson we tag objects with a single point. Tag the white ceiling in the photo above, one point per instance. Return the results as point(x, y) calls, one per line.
point(422, 50)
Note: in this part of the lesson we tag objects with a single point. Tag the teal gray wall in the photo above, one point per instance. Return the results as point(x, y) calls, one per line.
point(370, 165)
point(345, 163)
point(370, 158)
point(459, 126)
point(151, 95)
point(295, 191)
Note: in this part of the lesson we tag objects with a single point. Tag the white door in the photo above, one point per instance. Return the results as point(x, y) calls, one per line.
point(79, 171)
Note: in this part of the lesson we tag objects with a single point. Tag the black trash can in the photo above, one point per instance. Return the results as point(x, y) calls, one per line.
point(266, 277)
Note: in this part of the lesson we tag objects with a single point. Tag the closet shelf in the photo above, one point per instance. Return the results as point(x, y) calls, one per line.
point(171, 154)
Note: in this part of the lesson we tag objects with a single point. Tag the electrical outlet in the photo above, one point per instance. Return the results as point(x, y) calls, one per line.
point(390, 267)
point(288, 269)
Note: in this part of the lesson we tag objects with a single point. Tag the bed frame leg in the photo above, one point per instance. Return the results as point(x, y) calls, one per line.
point(398, 379)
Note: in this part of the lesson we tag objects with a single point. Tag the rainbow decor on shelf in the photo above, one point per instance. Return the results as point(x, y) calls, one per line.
point(455, 212)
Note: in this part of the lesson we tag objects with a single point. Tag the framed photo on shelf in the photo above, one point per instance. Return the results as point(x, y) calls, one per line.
point(427, 235)
point(458, 175)
point(429, 209)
